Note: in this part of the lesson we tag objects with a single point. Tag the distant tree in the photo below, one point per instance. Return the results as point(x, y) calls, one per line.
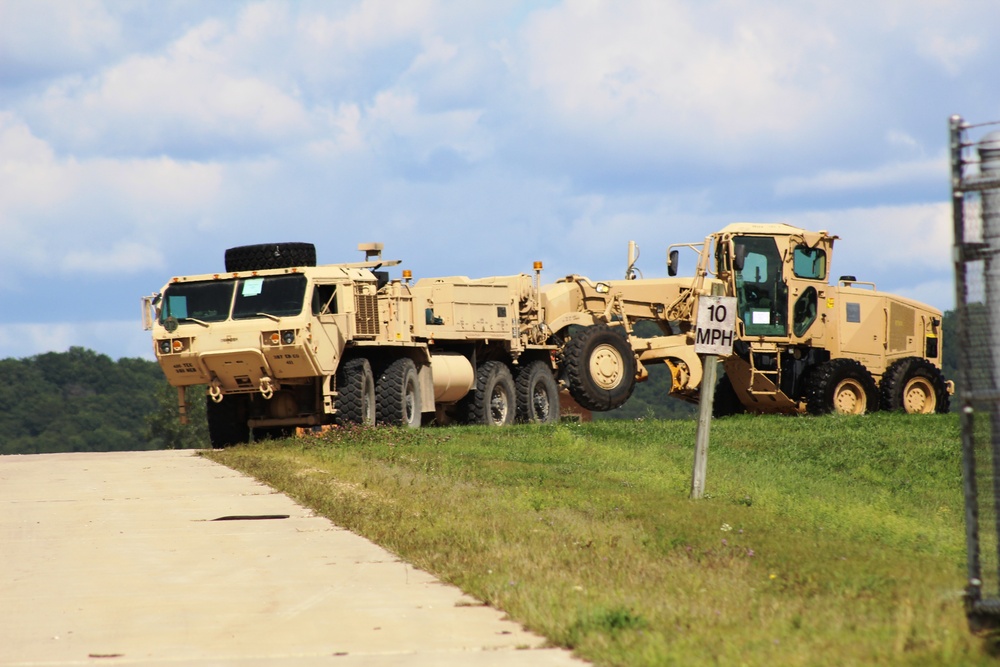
point(163, 427)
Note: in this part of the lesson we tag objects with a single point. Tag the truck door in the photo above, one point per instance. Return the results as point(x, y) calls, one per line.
point(808, 287)
point(332, 323)
point(761, 291)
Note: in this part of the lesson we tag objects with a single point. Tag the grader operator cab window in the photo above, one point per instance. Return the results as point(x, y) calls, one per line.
point(809, 263)
point(761, 292)
point(275, 296)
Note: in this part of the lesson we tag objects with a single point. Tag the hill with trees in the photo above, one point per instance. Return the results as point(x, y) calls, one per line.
point(82, 401)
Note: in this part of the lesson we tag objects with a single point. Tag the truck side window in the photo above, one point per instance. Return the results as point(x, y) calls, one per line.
point(804, 313)
point(324, 300)
point(809, 263)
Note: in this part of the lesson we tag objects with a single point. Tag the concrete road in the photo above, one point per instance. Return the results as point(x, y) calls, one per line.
point(116, 559)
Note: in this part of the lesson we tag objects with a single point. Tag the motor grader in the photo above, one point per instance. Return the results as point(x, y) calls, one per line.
point(801, 344)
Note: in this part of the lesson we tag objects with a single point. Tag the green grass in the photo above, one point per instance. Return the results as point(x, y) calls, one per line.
point(822, 541)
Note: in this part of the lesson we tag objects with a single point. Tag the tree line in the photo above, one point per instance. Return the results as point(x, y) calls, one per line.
point(82, 401)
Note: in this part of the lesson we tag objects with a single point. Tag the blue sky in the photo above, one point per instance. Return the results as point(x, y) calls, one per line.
point(139, 140)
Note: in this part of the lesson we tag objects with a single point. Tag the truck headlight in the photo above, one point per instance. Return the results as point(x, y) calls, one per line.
point(164, 346)
point(283, 337)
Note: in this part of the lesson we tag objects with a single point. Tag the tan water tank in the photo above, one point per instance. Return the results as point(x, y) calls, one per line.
point(453, 376)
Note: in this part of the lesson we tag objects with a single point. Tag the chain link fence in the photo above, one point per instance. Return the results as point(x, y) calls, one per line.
point(975, 164)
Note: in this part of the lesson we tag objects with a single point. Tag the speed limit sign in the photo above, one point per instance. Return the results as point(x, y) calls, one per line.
point(716, 325)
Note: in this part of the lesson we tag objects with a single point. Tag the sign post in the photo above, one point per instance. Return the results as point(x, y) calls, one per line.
point(714, 334)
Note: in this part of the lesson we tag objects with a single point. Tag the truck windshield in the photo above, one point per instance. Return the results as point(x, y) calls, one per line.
point(277, 296)
point(206, 301)
point(212, 300)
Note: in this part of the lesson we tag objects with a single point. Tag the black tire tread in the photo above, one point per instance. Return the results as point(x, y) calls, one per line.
point(389, 392)
point(576, 367)
point(228, 421)
point(351, 389)
point(527, 378)
point(827, 375)
point(477, 404)
point(897, 375)
point(264, 256)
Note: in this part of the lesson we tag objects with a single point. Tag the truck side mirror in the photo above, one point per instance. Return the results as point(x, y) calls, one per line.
point(739, 257)
point(672, 261)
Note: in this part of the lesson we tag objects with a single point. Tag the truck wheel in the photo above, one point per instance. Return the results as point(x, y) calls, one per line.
point(355, 393)
point(270, 256)
point(843, 386)
point(228, 420)
point(725, 402)
point(397, 394)
point(914, 386)
point(537, 394)
point(599, 367)
point(492, 401)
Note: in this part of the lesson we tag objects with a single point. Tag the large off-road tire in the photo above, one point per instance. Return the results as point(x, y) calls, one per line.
point(843, 386)
point(599, 367)
point(397, 394)
point(493, 400)
point(915, 386)
point(355, 393)
point(725, 402)
point(537, 394)
point(228, 420)
point(270, 256)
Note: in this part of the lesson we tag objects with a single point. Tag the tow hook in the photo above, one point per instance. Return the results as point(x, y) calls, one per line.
point(215, 391)
point(266, 390)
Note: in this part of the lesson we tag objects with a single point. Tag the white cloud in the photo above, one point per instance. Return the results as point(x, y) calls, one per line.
point(97, 215)
point(116, 338)
point(159, 104)
point(896, 173)
point(121, 258)
point(398, 115)
point(950, 52)
point(370, 24)
point(663, 68)
point(905, 240)
point(52, 36)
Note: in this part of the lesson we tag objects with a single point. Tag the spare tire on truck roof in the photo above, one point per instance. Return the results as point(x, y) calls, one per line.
point(270, 256)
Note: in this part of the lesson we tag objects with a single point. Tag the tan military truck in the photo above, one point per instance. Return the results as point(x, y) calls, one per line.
point(801, 344)
point(282, 343)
